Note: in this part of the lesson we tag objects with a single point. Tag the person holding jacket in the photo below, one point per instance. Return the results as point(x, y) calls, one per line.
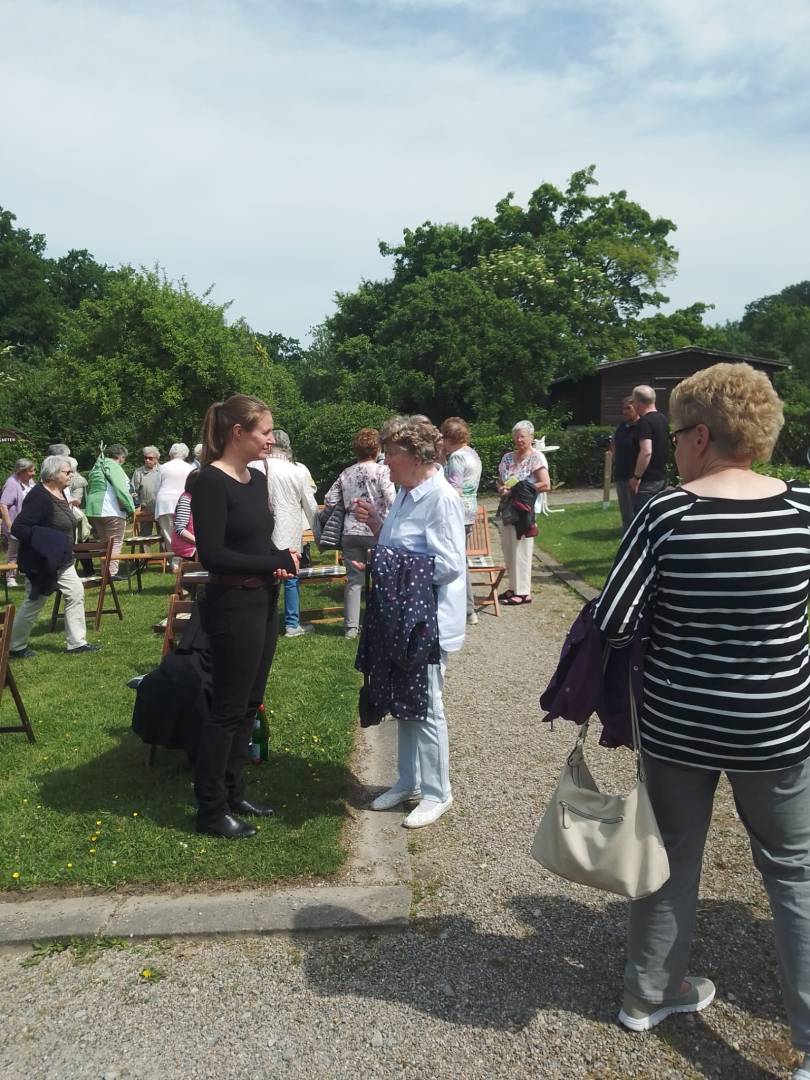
point(233, 526)
point(109, 501)
point(44, 529)
point(721, 565)
point(426, 518)
point(523, 464)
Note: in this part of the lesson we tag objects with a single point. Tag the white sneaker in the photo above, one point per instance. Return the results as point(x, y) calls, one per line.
point(300, 630)
point(393, 797)
point(426, 813)
point(472, 619)
point(350, 635)
point(803, 1071)
point(11, 581)
point(638, 1015)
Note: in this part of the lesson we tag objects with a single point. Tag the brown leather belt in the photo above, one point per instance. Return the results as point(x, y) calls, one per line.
point(240, 581)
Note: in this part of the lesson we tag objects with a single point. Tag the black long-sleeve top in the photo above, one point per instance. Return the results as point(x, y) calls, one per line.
point(233, 525)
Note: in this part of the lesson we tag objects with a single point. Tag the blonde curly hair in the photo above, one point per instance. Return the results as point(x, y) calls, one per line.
point(414, 434)
point(737, 404)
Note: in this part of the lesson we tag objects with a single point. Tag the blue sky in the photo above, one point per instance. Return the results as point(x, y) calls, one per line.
point(266, 147)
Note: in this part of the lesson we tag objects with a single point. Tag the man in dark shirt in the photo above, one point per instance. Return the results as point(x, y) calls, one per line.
point(652, 430)
point(624, 444)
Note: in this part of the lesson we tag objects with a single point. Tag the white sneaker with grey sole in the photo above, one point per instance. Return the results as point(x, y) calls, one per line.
point(300, 630)
point(391, 798)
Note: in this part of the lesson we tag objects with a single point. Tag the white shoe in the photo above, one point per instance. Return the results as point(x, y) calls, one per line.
point(350, 635)
point(472, 619)
point(426, 813)
point(300, 630)
point(803, 1071)
point(11, 582)
point(391, 798)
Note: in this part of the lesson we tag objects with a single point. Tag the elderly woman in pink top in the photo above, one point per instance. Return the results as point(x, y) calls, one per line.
point(368, 480)
point(15, 489)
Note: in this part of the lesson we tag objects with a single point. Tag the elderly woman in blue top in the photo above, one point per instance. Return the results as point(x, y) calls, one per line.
point(721, 565)
point(426, 518)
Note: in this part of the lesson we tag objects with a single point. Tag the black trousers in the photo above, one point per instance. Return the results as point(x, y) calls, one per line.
point(242, 628)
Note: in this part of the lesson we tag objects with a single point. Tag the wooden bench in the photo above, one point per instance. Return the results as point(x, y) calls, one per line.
point(480, 561)
point(7, 676)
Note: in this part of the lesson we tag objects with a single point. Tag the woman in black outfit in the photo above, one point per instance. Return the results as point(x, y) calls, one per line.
point(234, 527)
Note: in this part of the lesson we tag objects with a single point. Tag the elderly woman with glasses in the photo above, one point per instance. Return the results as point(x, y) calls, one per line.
point(426, 518)
point(524, 463)
point(44, 528)
point(721, 567)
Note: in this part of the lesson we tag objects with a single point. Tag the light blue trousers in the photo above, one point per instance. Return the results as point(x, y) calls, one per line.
point(774, 807)
point(423, 750)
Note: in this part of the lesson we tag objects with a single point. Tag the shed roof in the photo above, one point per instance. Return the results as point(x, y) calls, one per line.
point(716, 354)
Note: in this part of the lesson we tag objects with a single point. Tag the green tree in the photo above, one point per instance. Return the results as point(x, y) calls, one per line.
point(479, 319)
point(30, 315)
point(143, 363)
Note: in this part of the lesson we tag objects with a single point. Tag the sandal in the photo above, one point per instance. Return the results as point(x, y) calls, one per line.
point(516, 599)
point(506, 597)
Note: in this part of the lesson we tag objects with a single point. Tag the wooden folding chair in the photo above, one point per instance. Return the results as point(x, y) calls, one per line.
point(189, 575)
point(6, 569)
point(7, 676)
point(480, 561)
point(176, 622)
point(99, 549)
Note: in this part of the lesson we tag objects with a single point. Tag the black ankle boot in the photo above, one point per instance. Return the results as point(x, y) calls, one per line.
point(252, 809)
point(228, 827)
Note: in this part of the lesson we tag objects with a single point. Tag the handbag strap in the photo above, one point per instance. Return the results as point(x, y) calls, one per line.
point(635, 730)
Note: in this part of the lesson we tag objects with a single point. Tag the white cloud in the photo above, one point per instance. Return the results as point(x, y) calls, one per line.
point(239, 145)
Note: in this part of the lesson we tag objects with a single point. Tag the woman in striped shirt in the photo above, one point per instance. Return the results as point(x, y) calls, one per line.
point(722, 566)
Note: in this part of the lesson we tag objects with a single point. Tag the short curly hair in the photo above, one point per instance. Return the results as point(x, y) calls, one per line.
point(366, 444)
point(737, 404)
point(456, 430)
point(414, 434)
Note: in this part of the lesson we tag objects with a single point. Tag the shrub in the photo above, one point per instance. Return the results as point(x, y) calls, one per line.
point(794, 440)
point(325, 444)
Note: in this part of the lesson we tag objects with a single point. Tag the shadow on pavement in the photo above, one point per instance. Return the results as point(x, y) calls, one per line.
point(571, 958)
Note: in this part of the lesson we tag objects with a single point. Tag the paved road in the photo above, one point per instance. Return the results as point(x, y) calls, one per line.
point(504, 971)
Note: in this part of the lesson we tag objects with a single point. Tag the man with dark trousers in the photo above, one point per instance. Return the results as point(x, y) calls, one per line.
point(652, 431)
point(624, 444)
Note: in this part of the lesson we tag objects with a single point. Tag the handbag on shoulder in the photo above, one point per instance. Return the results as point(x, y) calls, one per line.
point(610, 842)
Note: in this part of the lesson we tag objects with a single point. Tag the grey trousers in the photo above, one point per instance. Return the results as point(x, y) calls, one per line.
point(774, 807)
point(354, 547)
point(646, 490)
point(625, 497)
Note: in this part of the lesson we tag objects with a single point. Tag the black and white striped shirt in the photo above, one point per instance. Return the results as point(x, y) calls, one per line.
point(727, 667)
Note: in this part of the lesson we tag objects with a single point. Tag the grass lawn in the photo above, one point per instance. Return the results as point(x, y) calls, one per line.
point(80, 808)
point(584, 538)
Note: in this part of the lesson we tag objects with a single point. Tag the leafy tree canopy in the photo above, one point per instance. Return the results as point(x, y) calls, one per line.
point(478, 319)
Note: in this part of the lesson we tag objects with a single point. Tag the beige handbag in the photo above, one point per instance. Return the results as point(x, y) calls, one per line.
point(609, 842)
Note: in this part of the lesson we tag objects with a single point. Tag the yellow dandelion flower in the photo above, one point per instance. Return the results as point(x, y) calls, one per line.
point(134, 813)
point(98, 823)
point(92, 851)
point(16, 874)
point(93, 839)
point(70, 866)
point(147, 973)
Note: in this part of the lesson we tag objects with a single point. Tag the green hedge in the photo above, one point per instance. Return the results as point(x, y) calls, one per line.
point(578, 463)
point(325, 444)
point(794, 440)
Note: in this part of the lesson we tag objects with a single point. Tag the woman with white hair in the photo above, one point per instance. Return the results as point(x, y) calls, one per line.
point(48, 562)
point(524, 463)
point(171, 485)
point(15, 489)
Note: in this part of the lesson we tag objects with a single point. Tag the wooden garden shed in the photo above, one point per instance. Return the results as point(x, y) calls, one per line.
point(596, 398)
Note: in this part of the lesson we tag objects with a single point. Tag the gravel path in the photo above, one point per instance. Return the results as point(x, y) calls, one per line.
point(505, 971)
